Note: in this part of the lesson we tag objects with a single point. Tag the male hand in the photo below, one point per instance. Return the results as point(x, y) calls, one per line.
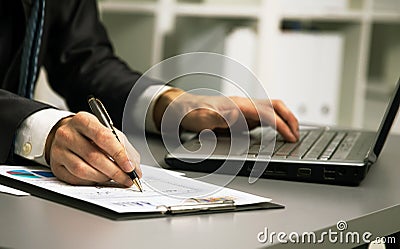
point(82, 151)
point(219, 112)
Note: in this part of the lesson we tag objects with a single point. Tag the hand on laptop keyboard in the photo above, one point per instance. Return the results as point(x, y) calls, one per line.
point(197, 112)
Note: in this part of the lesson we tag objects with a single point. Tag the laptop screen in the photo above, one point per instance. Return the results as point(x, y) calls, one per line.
point(387, 121)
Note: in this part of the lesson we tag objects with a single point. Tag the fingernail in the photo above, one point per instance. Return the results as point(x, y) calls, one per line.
point(129, 166)
point(294, 138)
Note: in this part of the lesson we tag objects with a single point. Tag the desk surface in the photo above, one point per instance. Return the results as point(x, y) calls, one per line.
point(374, 206)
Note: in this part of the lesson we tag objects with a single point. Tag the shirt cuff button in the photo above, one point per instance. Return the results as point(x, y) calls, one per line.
point(26, 148)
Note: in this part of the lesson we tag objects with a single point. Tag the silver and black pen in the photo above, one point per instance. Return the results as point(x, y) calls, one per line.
point(101, 113)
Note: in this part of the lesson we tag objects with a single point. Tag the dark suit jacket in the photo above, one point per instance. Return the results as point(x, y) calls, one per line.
point(79, 61)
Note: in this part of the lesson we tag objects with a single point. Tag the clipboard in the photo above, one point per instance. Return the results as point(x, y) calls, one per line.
point(192, 208)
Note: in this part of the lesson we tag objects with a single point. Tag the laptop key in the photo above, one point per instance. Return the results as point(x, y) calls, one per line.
point(278, 145)
point(345, 147)
point(254, 149)
point(332, 146)
point(279, 137)
point(287, 148)
point(319, 146)
point(304, 145)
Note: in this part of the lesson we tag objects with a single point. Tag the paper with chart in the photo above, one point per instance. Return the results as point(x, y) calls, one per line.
point(161, 188)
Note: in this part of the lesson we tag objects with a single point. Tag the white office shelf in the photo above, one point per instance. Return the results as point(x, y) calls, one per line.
point(379, 89)
point(128, 7)
point(147, 31)
point(385, 16)
point(341, 16)
point(218, 11)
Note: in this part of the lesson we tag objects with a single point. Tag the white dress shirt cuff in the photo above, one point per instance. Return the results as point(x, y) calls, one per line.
point(31, 136)
point(144, 108)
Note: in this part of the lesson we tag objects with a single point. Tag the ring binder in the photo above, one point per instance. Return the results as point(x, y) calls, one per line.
point(223, 205)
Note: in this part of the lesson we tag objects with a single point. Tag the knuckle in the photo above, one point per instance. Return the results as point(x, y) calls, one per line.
point(101, 135)
point(78, 169)
point(119, 155)
point(115, 174)
point(81, 117)
point(78, 118)
point(92, 156)
point(63, 134)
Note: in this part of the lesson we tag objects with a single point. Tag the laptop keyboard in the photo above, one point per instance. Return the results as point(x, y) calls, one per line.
point(313, 145)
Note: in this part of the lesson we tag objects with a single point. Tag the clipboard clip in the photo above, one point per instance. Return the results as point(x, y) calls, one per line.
point(222, 205)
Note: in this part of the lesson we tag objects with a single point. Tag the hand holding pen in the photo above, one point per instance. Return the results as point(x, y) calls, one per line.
point(78, 150)
point(101, 113)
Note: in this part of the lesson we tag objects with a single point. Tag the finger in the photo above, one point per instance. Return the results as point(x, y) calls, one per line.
point(286, 132)
point(59, 169)
point(132, 153)
point(287, 116)
point(98, 161)
point(89, 126)
point(61, 154)
point(81, 169)
point(64, 175)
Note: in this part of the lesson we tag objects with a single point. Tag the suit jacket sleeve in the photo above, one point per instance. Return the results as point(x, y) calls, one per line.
point(79, 60)
point(13, 109)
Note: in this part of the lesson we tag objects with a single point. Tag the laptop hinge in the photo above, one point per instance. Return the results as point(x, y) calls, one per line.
point(371, 156)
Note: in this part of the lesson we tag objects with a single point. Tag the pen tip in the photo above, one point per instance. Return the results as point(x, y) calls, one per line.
point(138, 185)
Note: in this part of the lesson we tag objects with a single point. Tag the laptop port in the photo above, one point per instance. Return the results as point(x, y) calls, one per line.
point(276, 171)
point(280, 170)
point(269, 170)
point(304, 172)
point(329, 174)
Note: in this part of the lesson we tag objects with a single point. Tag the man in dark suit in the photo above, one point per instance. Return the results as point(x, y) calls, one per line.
point(73, 47)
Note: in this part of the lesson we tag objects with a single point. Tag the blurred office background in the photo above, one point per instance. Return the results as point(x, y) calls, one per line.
point(332, 61)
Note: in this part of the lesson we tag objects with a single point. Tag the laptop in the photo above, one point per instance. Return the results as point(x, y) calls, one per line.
point(322, 154)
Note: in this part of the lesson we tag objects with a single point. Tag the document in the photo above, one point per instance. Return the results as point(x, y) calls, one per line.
point(161, 188)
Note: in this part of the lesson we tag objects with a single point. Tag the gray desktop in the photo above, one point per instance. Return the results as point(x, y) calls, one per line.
point(373, 207)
